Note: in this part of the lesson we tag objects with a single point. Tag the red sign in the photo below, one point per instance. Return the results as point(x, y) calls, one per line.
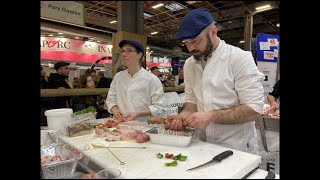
point(159, 65)
point(64, 49)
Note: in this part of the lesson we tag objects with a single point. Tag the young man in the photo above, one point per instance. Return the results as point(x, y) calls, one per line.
point(223, 89)
point(59, 81)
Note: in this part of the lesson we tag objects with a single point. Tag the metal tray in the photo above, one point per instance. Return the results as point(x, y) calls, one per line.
point(63, 168)
point(158, 135)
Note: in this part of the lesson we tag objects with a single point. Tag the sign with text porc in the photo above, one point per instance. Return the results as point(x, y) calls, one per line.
point(68, 11)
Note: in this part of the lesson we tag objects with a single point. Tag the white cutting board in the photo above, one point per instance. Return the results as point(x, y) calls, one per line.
point(143, 163)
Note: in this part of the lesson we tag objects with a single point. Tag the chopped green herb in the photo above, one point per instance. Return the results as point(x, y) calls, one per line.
point(159, 155)
point(172, 164)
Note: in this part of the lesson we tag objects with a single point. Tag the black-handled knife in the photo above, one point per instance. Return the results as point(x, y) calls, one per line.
point(217, 158)
point(271, 175)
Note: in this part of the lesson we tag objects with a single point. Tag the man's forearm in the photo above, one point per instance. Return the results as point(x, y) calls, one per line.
point(271, 99)
point(236, 115)
point(189, 108)
point(145, 112)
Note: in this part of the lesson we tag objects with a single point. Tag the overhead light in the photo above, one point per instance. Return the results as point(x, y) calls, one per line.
point(183, 41)
point(263, 7)
point(278, 25)
point(241, 42)
point(151, 51)
point(60, 33)
point(50, 35)
point(111, 22)
point(92, 38)
point(157, 6)
point(154, 32)
point(229, 22)
point(190, 2)
point(76, 37)
point(174, 6)
point(98, 41)
point(148, 47)
point(147, 14)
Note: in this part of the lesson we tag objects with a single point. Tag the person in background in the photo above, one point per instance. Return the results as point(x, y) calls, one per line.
point(274, 96)
point(76, 82)
point(93, 74)
point(155, 70)
point(103, 83)
point(83, 102)
point(100, 74)
point(223, 86)
point(170, 81)
point(134, 92)
point(181, 76)
point(59, 80)
point(44, 101)
point(43, 79)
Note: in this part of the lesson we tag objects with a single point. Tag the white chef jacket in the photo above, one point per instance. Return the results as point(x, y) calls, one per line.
point(131, 94)
point(229, 78)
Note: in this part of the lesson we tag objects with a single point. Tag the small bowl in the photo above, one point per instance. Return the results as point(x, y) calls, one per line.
point(109, 173)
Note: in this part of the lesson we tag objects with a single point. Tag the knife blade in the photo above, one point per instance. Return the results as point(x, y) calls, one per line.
point(217, 158)
point(270, 175)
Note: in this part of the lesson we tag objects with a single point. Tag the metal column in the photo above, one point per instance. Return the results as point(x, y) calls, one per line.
point(130, 25)
point(248, 25)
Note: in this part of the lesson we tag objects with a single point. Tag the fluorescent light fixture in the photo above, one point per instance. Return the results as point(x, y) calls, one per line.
point(154, 32)
point(174, 6)
point(76, 37)
point(92, 38)
point(190, 2)
point(148, 47)
point(98, 41)
point(263, 7)
point(60, 33)
point(241, 42)
point(147, 15)
point(111, 22)
point(157, 6)
point(50, 35)
point(278, 25)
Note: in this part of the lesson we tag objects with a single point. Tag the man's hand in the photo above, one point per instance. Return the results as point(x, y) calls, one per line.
point(116, 113)
point(274, 106)
point(199, 119)
point(176, 124)
point(131, 116)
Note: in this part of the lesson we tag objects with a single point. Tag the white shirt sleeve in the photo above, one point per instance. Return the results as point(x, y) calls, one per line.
point(157, 107)
point(248, 81)
point(112, 95)
point(189, 94)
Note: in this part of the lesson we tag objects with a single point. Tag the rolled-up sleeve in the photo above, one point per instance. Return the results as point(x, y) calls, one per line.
point(248, 82)
point(112, 95)
point(157, 107)
point(189, 94)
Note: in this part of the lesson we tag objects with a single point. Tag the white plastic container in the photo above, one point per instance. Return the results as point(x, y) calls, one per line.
point(58, 118)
